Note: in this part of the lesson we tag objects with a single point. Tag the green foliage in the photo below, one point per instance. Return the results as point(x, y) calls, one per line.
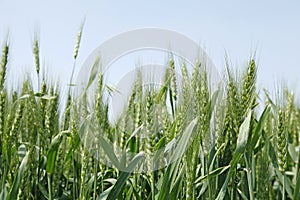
point(178, 141)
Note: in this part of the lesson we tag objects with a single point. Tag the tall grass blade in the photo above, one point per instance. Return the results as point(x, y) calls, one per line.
point(182, 145)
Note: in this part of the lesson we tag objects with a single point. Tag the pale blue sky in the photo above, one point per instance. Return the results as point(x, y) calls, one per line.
point(272, 28)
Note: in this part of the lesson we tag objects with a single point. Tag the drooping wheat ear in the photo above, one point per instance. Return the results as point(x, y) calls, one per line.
point(78, 39)
point(248, 96)
point(36, 53)
point(4, 61)
point(281, 142)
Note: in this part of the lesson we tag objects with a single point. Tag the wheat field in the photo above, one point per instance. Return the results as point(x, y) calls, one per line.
point(206, 143)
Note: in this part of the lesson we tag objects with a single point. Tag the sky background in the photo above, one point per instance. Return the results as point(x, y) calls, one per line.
point(236, 28)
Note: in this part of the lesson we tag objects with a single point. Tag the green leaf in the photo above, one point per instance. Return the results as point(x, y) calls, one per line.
point(13, 193)
point(52, 153)
point(233, 164)
point(104, 195)
point(243, 134)
point(293, 153)
point(109, 151)
point(132, 135)
point(117, 188)
point(88, 127)
point(162, 92)
point(213, 173)
point(271, 151)
point(124, 153)
point(173, 168)
point(213, 155)
point(184, 141)
point(170, 145)
point(164, 190)
point(175, 188)
point(259, 127)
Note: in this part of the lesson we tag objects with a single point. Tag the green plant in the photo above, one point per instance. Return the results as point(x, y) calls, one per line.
point(208, 145)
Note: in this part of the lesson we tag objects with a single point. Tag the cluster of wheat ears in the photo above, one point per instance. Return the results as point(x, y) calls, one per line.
point(215, 144)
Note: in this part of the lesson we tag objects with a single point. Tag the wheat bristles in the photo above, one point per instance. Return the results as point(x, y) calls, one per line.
point(3, 64)
point(77, 43)
point(36, 53)
point(281, 142)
